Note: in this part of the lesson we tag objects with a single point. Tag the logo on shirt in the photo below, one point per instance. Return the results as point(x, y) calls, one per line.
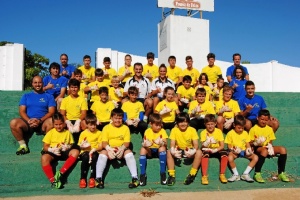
point(42, 100)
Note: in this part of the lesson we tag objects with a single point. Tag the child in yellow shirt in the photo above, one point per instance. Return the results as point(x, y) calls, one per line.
point(116, 92)
point(108, 71)
point(185, 93)
point(218, 90)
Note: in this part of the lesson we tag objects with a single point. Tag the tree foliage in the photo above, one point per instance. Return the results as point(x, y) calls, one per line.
point(34, 64)
point(245, 62)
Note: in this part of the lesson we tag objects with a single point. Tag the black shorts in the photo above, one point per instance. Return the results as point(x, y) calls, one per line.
point(218, 154)
point(38, 129)
point(64, 154)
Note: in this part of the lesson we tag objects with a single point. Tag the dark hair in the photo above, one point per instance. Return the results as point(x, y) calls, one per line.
point(209, 118)
point(133, 90)
point(211, 55)
point(150, 55)
point(99, 72)
point(171, 57)
point(77, 72)
point(220, 78)
point(127, 55)
point(249, 83)
point(117, 112)
point(182, 117)
point(200, 91)
point(264, 112)
point(200, 77)
point(91, 119)
point(63, 54)
point(241, 68)
point(187, 78)
point(74, 82)
point(162, 66)
point(227, 88)
point(236, 54)
point(58, 116)
point(166, 90)
point(103, 89)
point(188, 58)
point(54, 65)
point(106, 59)
point(239, 120)
point(137, 64)
point(87, 56)
point(155, 118)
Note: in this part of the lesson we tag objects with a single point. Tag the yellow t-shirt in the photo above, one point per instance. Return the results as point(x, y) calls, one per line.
point(168, 117)
point(237, 140)
point(174, 73)
point(73, 107)
point(95, 93)
point(113, 95)
point(115, 136)
point(133, 109)
point(87, 73)
point(186, 93)
point(194, 73)
point(94, 138)
point(128, 76)
point(103, 110)
point(232, 104)
point(151, 136)
point(81, 91)
point(206, 108)
point(266, 132)
point(184, 139)
point(212, 73)
point(55, 138)
point(219, 97)
point(207, 90)
point(216, 134)
point(153, 70)
point(111, 72)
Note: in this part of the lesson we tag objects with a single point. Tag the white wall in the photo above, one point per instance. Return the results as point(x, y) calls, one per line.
point(12, 67)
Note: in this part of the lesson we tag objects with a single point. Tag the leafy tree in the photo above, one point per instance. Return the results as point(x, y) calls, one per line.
point(245, 62)
point(34, 64)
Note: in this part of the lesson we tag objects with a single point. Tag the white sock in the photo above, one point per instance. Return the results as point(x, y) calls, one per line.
point(131, 164)
point(22, 143)
point(248, 170)
point(101, 164)
point(235, 172)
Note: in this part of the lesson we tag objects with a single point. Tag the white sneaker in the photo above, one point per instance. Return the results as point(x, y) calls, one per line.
point(246, 177)
point(234, 178)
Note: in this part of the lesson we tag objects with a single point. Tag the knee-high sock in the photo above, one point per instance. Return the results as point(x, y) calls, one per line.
point(69, 162)
point(163, 161)
point(100, 166)
point(260, 162)
point(223, 164)
point(281, 163)
point(143, 164)
point(131, 164)
point(204, 166)
point(49, 173)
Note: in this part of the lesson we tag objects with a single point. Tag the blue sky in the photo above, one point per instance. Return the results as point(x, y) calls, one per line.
point(261, 30)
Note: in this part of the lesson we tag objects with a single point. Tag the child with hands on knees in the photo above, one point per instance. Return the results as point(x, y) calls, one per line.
point(58, 145)
point(102, 108)
point(115, 143)
point(212, 147)
point(167, 108)
point(185, 93)
point(90, 142)
point(184, 143)
point(262, 136)
point(154, 145)
point(239, 146)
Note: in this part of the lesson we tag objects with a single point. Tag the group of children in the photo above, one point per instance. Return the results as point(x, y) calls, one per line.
point(108, 119)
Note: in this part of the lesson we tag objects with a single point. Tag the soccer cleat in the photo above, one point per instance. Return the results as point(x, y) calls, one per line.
point(282, 176)
point(189, 179)
point(234, 178)
point(222, 178)
point(143, 179)
point(57, 183)
point(246, 177)
point(134, 183)
point(82, 183)
point(258, 178)
point(99, 183)
point(92, 183)
point(22, 150)
point(163, 179)
point(171, 180)
point(204, 180)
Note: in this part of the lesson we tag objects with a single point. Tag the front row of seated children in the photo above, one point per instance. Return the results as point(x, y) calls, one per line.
point(95, 148)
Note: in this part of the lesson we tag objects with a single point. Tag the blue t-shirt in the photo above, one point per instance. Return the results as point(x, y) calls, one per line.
point(239, 91)
point(229, 71)
point(257, 102)
point(69, 68)
point(60, 82)
point(37, 104)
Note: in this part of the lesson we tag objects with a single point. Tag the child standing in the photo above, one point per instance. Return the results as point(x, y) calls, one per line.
point(238, 83)
point(167, 108)
point(115, 142)
point(58, 145)
point(116, 92)
point(184, 143)
point(239, 146)
point(185, 93)
point(78, 76)
point(90, 142)
point(218, 90)
point(102, 108)
point(108, 71)
point(212, 147)
point(203, 83)
point(154, 145)
point(134, 112)
point(262, 137)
